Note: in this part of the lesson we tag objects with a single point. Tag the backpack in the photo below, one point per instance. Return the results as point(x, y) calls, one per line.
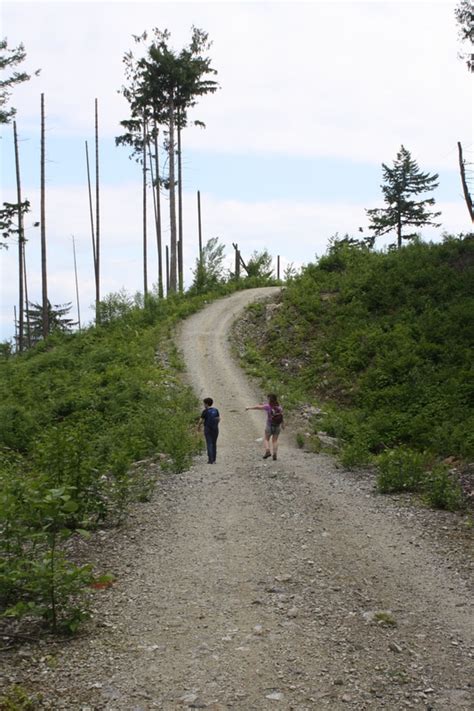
point(276, 415)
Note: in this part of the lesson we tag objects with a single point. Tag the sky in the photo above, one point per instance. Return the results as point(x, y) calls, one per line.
point(313, 97)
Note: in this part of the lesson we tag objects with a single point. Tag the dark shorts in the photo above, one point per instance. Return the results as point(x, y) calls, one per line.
point(272, 430)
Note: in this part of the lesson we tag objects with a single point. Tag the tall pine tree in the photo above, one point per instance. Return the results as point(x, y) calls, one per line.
point(402, 183)
point(163, 84)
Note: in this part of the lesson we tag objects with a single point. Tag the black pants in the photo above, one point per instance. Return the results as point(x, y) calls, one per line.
point(211, 442)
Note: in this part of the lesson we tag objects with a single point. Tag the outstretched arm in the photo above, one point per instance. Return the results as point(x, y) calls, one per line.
point(256, 407)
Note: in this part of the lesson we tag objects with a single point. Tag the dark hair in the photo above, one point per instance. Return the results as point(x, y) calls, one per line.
point(208, 401)
point(272, 399)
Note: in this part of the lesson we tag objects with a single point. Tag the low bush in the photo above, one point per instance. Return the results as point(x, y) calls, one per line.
point(441, 489)
point(400, 469)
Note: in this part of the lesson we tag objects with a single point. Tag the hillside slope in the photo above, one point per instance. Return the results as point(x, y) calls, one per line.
point(255, 584)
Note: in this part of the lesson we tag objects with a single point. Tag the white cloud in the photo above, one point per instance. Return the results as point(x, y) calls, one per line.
point(321, 78)
point(351, 80)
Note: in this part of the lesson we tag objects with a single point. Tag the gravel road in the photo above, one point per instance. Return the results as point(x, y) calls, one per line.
point(254, 585)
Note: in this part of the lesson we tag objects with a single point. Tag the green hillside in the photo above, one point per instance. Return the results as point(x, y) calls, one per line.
point(77, 411)
point(383, 342)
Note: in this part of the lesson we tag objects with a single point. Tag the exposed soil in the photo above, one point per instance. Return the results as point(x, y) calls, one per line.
point(261, 584)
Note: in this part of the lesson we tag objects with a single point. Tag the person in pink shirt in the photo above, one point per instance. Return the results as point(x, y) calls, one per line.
point(273, 424)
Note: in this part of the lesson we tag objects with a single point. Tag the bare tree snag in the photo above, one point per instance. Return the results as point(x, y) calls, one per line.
point(44, 271)
point(21, 241)
point(467, 196)
point(145, 274)
point(97, 216)
point(199, 226)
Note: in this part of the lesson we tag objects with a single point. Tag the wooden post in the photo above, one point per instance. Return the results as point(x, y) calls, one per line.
point(278, 267)
point(44, 271)
point(199, 225)
point(167, 270)
point(180, 257)
point(237, 262)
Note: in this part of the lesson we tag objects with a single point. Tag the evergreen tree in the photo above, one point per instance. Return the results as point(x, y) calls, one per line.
point(58, 320)
point(464, 14)
point(10, 58)
point(260, 265)
point(209, 268)
point(8, 220)
point(163, 84)
point(401, 184)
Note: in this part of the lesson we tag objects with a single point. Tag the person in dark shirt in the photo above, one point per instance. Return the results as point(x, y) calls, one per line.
point(211, 418)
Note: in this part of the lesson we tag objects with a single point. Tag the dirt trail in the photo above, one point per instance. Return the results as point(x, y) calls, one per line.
point(255, 584)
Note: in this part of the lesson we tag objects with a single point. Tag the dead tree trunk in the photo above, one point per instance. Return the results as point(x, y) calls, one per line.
point(145, 275)
point(238, 261)
point(97, 217)
point(180, 209)
point(91, 212)
point(158, 215)
point(467, 196)
point(27, 301)
point(44, 271)
point(21, 250)
point(199, 226)
point(77, 283)
point(173, 239)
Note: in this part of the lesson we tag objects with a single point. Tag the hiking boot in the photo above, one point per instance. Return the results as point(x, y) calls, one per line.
point(274, 457)
point(267, 454)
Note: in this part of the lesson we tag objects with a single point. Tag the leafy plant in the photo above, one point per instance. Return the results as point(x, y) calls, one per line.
point(400, 469)
point(209, 271)
point(16, 698)
point(300, 439)
point(441, 490)
point(383, 342)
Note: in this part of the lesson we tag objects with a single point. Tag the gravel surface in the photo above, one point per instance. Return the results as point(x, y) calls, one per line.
point(255, 584)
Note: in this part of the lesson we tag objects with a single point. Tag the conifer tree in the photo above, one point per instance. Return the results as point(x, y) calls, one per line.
point(402, 183)
point(9, 59)
point(163, 84)
point(464, 14)
point(58, 320)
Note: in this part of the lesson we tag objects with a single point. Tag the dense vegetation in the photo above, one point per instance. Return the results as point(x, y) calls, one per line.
point(384, 340)
point(76, 411)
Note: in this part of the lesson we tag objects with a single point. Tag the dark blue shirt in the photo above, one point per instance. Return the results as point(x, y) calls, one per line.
point(211, 418)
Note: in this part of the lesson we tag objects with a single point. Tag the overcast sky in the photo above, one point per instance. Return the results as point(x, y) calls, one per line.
point(314, 97)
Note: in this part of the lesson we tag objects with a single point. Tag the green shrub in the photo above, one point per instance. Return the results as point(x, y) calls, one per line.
point(441, 490)
point(77, 412)
point(400, 469)
point(384, 340)
point(300, 440)
point(355, 454)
